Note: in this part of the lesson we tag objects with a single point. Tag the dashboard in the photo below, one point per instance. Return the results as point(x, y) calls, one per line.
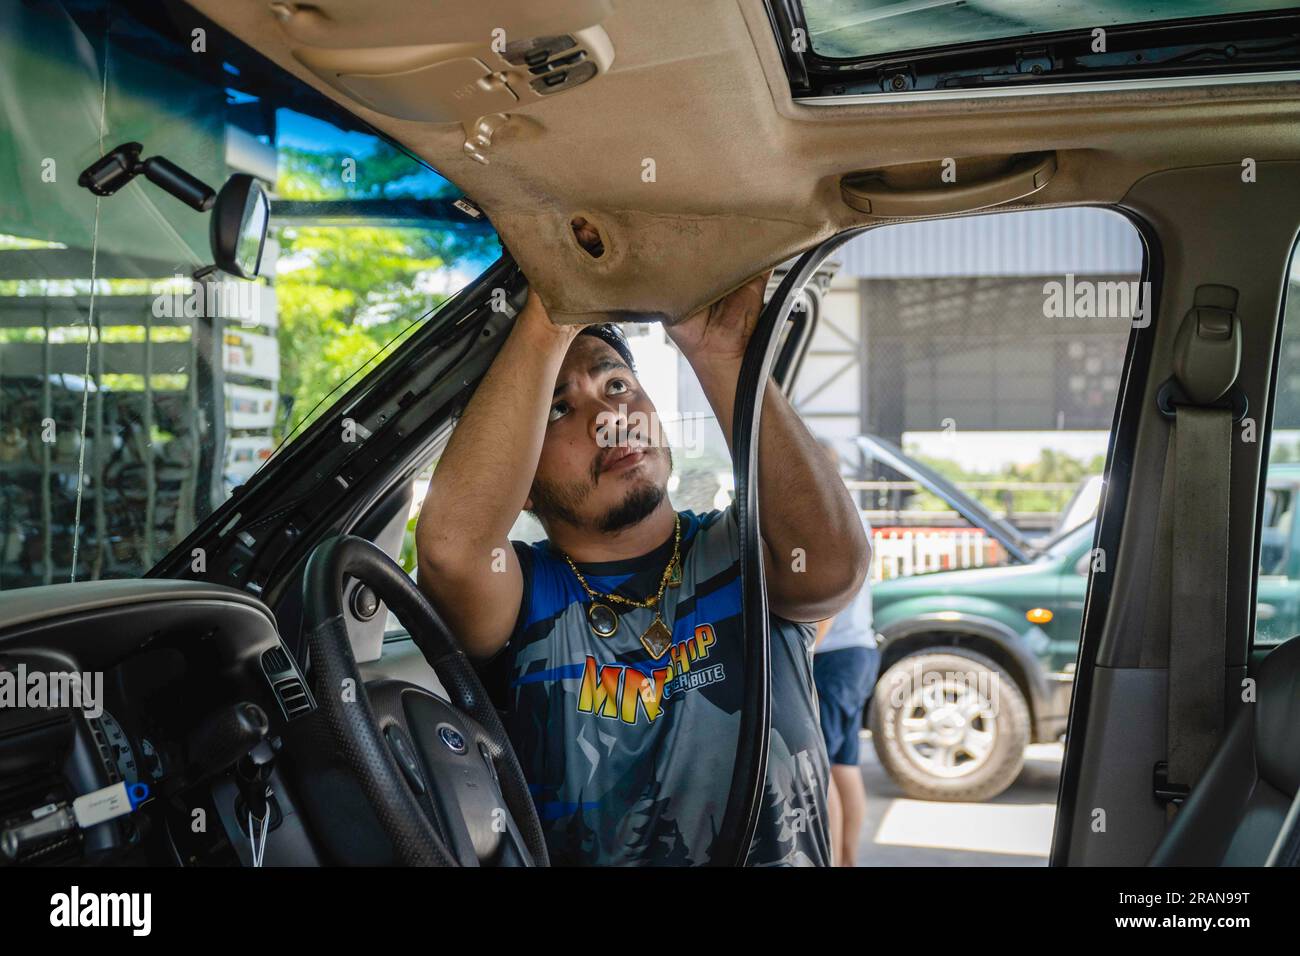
point(138, 720)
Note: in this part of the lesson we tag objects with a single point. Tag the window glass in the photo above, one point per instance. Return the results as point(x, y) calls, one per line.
point(988, 350)
point(1277, 609)
point(966, 370)
point(860, 28)
point(138, 387)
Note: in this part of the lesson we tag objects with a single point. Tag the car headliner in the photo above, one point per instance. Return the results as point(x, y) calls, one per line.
point(744, 176)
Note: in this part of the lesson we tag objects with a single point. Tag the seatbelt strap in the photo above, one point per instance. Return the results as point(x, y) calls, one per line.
point(1155, 638)
point(1192, 575)
point(1198, 607)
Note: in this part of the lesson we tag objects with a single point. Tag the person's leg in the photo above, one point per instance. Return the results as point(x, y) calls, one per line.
point(856, 670)
point(835, 809)
point(851, 796)
point(832, 726)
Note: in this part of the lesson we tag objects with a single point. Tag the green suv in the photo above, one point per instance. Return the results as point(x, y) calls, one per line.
point(978, 663)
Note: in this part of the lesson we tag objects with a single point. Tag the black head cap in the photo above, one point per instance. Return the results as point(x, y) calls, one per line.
point(613, 336)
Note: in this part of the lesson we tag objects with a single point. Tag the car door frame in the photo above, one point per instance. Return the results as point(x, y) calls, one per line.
point(316, 485)
point(1117, 478)
point(1115, 764)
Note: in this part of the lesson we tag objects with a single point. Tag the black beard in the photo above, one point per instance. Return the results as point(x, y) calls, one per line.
point(557, 502)
point(636, 507)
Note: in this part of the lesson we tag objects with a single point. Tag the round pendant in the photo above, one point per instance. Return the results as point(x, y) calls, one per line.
point(603, 620)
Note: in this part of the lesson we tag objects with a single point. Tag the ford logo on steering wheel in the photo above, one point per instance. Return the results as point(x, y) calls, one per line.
point(452, 738)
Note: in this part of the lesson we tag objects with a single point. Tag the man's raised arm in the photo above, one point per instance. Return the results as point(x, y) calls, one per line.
point(466, 565)
point(816, 552)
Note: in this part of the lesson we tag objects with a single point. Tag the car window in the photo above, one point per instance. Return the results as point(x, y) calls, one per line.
point(1275, 535)
point(1072, 541)
point(989, 349)
point(1277, 609)
point(917, 530)
point(857, 28)
point(844, 52)
point(138, 388)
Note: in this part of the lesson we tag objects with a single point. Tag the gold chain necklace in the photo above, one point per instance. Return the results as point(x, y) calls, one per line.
point(604, 620)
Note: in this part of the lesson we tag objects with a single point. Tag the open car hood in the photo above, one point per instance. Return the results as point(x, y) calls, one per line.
point(890, 454)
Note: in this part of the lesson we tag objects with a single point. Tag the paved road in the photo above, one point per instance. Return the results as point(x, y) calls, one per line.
point(1013, 830)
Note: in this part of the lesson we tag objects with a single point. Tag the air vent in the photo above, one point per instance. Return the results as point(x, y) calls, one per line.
point(293, 698)
point(105, 752)
point(276, 661)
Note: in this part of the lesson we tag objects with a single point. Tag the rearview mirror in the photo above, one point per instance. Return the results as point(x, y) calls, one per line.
point(239, 223)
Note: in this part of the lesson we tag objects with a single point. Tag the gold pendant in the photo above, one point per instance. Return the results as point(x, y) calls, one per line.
point(657, 638)
point(675, 575)
point(602, 618)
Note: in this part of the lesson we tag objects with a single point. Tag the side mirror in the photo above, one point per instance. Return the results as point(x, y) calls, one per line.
point(240, 219)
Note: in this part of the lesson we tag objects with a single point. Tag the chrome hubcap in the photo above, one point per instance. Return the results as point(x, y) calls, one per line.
point(947, 728)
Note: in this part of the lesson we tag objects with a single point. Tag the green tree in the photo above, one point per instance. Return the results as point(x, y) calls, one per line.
point(346, 292)
point(1052, 466)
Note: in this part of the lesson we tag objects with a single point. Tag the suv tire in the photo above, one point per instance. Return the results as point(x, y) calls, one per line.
point(942, 736)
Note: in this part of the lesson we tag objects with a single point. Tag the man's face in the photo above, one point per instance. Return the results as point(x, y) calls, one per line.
point(599, 469)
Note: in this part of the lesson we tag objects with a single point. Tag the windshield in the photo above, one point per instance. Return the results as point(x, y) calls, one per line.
point(133, 399)
point(851, 29)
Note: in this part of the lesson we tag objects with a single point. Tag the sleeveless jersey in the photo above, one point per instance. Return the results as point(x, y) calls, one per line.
point(629, 758)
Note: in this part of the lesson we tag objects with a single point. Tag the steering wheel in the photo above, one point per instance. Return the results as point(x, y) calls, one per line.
point(444, 782)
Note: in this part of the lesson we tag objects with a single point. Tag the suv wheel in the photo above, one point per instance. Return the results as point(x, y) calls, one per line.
point(949, 725)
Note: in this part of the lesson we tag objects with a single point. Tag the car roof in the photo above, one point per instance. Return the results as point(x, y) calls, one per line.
point(688, 152)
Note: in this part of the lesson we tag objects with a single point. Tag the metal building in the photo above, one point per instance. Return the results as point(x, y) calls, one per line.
point(941, 323)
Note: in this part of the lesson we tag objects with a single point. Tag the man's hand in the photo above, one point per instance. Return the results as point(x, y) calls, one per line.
point(718, 333)
point(535, 316)
point(805, 506)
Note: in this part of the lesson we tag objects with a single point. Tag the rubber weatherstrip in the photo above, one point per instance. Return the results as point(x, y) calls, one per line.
point(740, 818)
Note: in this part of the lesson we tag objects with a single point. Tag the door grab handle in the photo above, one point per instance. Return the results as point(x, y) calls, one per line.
point(869, 193)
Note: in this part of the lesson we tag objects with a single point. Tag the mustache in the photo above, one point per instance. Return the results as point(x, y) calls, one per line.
point(602, 457)
point(639, 437)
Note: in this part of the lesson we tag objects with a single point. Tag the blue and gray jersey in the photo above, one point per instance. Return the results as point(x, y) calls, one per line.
point(629, 758)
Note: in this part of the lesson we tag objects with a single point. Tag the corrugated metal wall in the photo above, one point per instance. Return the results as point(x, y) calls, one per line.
point(1046, 242)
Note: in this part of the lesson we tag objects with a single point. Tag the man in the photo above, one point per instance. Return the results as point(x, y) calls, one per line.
point(845, 667)
point(620, 633)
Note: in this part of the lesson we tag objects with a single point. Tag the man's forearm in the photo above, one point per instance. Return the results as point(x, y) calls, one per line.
point(482, 479)
point(804, 503)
